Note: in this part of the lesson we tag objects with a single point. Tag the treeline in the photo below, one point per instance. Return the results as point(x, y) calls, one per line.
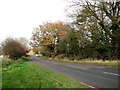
point(95, 33)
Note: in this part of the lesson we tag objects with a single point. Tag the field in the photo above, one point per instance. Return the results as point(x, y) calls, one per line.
point(25, 74)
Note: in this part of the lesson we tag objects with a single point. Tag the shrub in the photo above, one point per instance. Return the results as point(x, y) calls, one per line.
point(60, 56)
point(13, 48)
point(45, 51)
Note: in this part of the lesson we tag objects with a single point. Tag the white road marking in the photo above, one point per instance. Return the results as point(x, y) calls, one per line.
point(111, 73)
point(88, 85)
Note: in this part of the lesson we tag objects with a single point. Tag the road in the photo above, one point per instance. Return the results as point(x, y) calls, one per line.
point(96, 76)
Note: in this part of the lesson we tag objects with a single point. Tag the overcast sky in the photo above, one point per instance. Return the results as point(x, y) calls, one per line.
point(19, 17)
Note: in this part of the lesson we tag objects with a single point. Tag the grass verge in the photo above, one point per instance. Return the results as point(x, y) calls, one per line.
point(22, 73)
point(113, 63)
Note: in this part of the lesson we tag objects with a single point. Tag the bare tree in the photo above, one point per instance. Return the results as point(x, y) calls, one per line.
point(0, 50)
point(24, 42)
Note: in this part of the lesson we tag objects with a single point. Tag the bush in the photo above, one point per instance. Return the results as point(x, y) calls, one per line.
point(60, 56)
point(45, 51)
point(13, 48)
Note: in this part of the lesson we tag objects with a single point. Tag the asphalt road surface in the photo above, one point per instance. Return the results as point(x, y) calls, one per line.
point(96, 76)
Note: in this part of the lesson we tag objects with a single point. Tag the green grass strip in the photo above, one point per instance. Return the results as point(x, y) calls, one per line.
point(25, 74)
point(109, 63)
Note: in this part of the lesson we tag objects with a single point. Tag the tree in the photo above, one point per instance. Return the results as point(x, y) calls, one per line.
point(35, 49)
point(13, 48)
point(101, 21)
point(48, 35)
point(24, 42)
point(72, 42)
point(0, 50)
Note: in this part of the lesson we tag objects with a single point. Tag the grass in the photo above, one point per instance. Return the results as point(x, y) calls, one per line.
point(113, 63)
point(25, 74)
point(44, 57)
point(0, 73)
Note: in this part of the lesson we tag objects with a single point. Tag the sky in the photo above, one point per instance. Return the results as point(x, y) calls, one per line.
point(19, 17)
